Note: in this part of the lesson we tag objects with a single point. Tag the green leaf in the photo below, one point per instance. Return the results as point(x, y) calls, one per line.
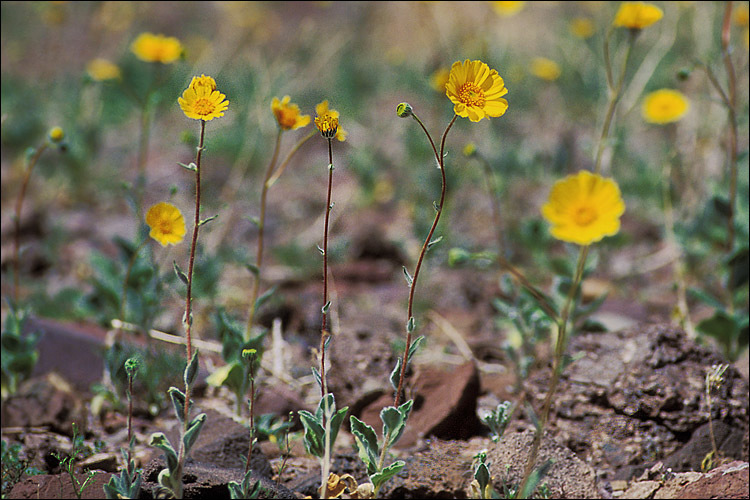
point(253, 269)
point(206, 221)
point(193, 430)
point(411, 325)
point(314, 433)
point(178, 402)
point(191, 166)
point(413, 348)
point(409, 279)
point(159, 440)
point(264, 297)
point(367, 443)
point(191, 370)
point(379, 478)
point(325, 307)
point(720, 326)
point(433, 243)
point(394, 421)
point(534, 479)
point(181, 275)
point(482, 475)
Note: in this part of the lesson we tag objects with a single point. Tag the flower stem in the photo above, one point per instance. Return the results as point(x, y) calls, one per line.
point(129, 269)
point(17, 232)
point(261, 227)
point(731, 103)
point(560, 347)
point(615, 92)
point(413, 286)
point(188, 301)
point(323, 331)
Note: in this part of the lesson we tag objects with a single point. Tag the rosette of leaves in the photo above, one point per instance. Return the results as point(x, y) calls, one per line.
point(372, 452)
point(128, 483)
point(245, 489)
point(170, 479)
point(315, 425)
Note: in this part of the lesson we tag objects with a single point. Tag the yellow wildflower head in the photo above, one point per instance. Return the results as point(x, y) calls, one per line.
point(327, 120)
point(201, 100)
point(741, 15)
point(166, 222)
point(584, 208)
point(476, 91)
point(56, 134)
point(101, 70)
point(582, 27)
point(157, 48)
point(507, 9)
point(664, 106)
point(287, 114)
point(637, 15)
point(544, 68)
point(439, 79)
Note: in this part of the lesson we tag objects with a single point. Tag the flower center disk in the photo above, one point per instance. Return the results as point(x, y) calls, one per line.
point(204, 106)
point(471, 95)
point(584, 216)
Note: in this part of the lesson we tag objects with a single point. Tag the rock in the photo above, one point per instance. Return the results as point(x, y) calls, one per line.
point(727, 481)
point(568, 477)
point(45, 402)
point(444, 406)
point(636, 396)
point(690, 456)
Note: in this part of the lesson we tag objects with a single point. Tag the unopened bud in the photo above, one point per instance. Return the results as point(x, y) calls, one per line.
point(403, 110)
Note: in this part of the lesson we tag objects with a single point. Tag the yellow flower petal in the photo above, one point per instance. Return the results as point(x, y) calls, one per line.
point(664, 106)
point(167, 223)
point(475, 90)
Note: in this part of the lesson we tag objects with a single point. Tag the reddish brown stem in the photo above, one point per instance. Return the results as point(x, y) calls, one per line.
point(323, 331)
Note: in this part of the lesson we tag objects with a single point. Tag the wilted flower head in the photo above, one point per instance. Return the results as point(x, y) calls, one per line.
point(157, 48)
point(637, 15)
point(166, 222)
point(584, 208)
point(476, 91)
point(664, 106)
point(102, 69)
point(201, 100)
point(544, 68)
point(327, 122)
point(288, 115)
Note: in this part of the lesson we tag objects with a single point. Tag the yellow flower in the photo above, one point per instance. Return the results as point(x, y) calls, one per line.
point(101, 69)
point(166, 223)
point(584, 208)
point(56, 134)
point(439, 79)
point(582, 27)
point(327, 122)
point(201, 100)
point(507, 9)
point(664, 106)
point(741, 15)
point(544, 68)
point(637, 15)
point(288, 114)
point(157, 48)
point(476, 91)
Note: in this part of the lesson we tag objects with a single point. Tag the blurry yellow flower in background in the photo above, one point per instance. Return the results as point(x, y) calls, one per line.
point(544, 68)
point(439, 79)
point(507, 9)
point(157, 48)
point(201, 100)
point(582, 27)
point(664, 106)
point(476, 91)
point(584, 208)
point(166, 222)
point(637, 15)
point(287, 114)
point(102, 69)
point(741, 16)
point(327, 122)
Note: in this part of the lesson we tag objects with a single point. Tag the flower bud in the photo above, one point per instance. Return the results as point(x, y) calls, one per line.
point(403, 110)
point(56, 134)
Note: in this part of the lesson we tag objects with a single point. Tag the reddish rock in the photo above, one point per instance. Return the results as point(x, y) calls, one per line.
point(727, 481)
point(445, 405)
point(59, 486)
